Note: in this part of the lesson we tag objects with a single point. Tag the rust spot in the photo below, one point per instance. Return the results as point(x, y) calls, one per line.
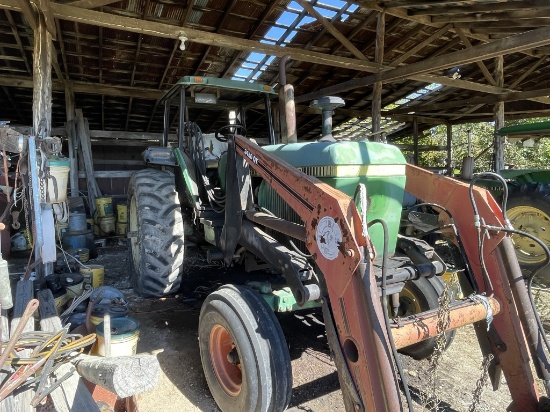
point(314, 222)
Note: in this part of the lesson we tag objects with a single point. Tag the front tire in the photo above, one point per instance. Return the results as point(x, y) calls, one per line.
point(156, 249)
point(417, 296)
point(529, 211)
point(243, 352)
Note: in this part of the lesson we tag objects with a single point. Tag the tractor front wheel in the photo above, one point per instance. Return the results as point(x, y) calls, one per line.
point(243, 352)
point(156, 247)
point(529, 211)
point(418, 296)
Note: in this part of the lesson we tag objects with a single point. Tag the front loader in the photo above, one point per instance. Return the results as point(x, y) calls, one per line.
point(280, 214)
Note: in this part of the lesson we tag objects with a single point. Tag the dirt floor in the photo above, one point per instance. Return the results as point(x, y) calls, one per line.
point(169, 328)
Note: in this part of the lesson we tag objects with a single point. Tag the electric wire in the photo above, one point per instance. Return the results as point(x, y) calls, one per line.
point(386, 314)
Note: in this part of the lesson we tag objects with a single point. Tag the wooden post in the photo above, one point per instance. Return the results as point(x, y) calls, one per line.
point(377, 88)
point(123, 375)
point(42, 80)
point(415, 152)
point(71, 133)
point(498, 111)
point(449, 150)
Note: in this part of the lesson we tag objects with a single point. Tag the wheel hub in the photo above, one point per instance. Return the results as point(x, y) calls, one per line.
point(225, 360)
point(534, 222)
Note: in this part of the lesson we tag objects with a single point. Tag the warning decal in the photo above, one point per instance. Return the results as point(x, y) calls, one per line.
point(329, 236)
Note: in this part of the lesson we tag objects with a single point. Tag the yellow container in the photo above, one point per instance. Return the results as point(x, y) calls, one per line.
point(122, 212)
point(106, 225)
point(60, 302)
point(74, 284)
point(83, 254)
point(121, 228)
point(60, 229)
point(104, 206)
point(93, 275)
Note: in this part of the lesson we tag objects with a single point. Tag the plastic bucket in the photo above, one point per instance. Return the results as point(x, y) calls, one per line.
point(93, 275)
point(124, 337)
point(122, 212)
point(77, 222)
point(59, 169)
point(83, 254)
point(104, 206)
point(106, 225)
point(121, 228)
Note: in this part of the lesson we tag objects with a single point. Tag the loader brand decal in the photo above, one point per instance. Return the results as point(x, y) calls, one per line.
point(328, 236)
point(251, 156)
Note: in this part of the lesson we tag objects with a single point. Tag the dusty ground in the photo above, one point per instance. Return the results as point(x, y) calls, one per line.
point(170, 325)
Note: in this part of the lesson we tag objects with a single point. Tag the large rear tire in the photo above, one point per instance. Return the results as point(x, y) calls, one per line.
point(419, 296)
point(243, 352)
point(529, 211)
point(157, 245)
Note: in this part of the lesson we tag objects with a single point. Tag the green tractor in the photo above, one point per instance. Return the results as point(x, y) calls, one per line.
point(528, 205)
point(200, 188)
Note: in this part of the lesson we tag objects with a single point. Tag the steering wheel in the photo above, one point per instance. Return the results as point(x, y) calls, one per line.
point(220, 136)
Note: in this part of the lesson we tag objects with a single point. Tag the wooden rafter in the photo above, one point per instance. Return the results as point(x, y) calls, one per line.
point(477, 17)
point(480, 64)
point(28, 11)
point(331, 29)
point(18, 41)
point(62, 47)
point(481, 8)
point(438, 34)
point(91, 4)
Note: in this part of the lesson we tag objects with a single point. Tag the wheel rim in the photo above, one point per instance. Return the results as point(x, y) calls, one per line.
point(229, 374)
point(133, 223)
point(534, 222)
point(408, 303)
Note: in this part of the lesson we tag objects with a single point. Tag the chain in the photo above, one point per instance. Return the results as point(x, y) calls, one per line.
point(443, 322)
point(481, 382)
point(42, 191)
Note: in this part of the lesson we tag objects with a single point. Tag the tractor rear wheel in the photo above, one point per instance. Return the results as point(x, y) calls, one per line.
point(156, 247)
point(243, 352)
point(419, 296)
point(529, 211)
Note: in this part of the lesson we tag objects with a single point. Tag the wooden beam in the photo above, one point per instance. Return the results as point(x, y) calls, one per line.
point(29, 13)
point(499, 117)
point(42, 80)
point(478, 17)
point(18, 41)
point(421, 45)
point(508, 97)
point(529, 71)
point(511, 44)
point(156, 29)
point(91, 4)
point(480, 8)
point(480, 64)
point(376, 108)
point(44, 7)
point(331, 29)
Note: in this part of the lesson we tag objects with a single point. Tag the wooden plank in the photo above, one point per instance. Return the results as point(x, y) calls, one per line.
point(86, 152)
point(111, 134)
point(49, 318)
point(477, 17)
point(23, 295)
point(109, 174)
point(419, 46)
point(71, 138)
point(72, 395)
point(6, 405)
